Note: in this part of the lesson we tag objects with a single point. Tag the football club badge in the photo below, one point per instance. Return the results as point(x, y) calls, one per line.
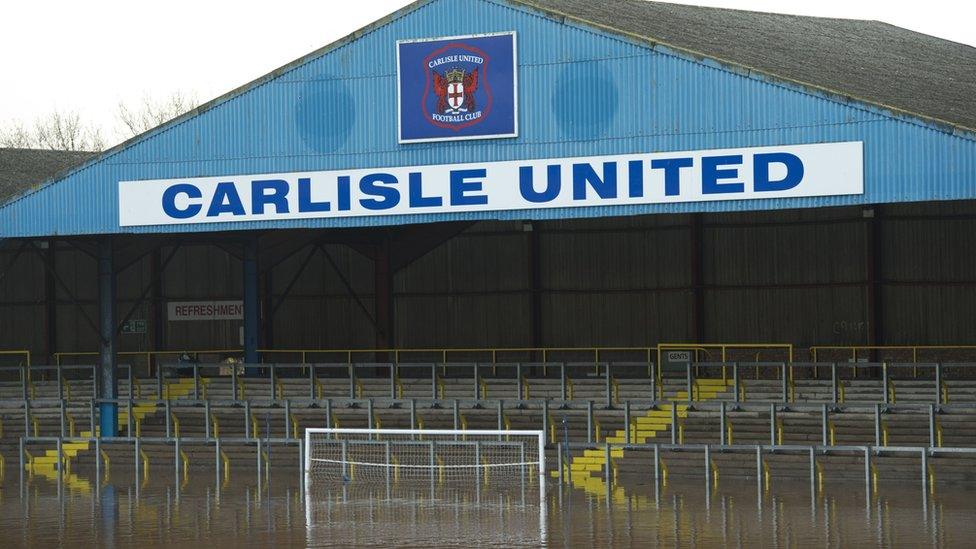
point(457, 88)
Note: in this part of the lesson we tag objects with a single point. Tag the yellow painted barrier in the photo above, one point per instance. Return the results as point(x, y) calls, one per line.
point(852, 351)
point(25, 356)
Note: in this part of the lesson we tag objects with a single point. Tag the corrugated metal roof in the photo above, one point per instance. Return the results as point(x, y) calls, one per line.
point(22, 169)
point(868, 60)
point(583, 91)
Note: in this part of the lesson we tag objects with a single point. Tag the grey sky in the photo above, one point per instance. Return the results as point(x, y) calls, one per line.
point(88, 56)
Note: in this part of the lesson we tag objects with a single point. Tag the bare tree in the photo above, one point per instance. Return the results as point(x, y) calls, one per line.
point(153, 112)
point(57, 131)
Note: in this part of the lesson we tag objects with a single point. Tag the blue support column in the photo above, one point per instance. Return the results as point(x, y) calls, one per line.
point(252, 323)
point(108, 375)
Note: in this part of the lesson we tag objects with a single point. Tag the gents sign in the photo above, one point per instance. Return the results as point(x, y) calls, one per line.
point(792, 171)
point(206, 310)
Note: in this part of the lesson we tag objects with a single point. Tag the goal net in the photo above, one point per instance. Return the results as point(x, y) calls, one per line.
point(423, 457)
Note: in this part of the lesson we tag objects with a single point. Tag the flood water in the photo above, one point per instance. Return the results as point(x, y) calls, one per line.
point(243, 512)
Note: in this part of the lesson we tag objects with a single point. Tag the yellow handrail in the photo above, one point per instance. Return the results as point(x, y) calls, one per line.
point(216, 425)
point(254, 425)
point(294, 426)
point(176, 425)
point(892, 395)
point(525, 388)
point(831, 429)
point(816, 350)
point(728, 432)
point(26, 354)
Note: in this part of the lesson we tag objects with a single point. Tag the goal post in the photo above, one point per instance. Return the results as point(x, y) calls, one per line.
point(497, 458)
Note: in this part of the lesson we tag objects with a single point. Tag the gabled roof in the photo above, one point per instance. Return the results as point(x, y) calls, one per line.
point(22, 169)
point(866, 60)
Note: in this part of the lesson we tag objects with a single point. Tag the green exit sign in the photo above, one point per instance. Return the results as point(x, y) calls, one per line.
point(134, 326)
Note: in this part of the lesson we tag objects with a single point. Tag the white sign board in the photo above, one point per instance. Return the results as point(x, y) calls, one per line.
point(755, 173)
point(205, 310)
point(679, 356)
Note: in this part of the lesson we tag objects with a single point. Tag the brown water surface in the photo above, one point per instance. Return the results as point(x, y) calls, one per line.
point(242, 512)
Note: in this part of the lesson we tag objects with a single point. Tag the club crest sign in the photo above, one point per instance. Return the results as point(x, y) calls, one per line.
point(457, 88)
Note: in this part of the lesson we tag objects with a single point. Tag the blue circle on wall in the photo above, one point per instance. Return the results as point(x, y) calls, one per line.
point(585, 100)
point(325, 113)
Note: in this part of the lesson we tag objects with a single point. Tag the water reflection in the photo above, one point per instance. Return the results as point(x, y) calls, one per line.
point(248, 511)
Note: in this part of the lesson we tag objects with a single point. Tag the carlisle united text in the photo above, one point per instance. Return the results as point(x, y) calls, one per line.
point(660, 178)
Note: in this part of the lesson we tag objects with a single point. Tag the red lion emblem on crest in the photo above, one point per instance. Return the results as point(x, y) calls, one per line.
point(455, 90)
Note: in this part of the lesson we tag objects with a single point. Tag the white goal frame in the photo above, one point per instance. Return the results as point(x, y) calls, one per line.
point(460, 433)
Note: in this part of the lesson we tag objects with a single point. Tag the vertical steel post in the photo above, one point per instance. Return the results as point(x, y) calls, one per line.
point(433, 381)
point(369, 414)
point(708, 463)
point(589, 421)
point(545, 417)
point(91, 417)
point(176, 458)
point(159, 382)
point(657, 463)
point(563, 393)
point(457, 416)
point(877, 424)
point(501, 416)
point(867, 468)
point(884, 382)
point(196, 381)
point(206, 418)
point(311, 382)
point(247, 419)
point(518, 383)
point(688, 380)
point(168, 418)
point(413, 413)
point(813, 469)
point(252, 305)
point(393, 393)
point(627, 421)
point(608, 383)
point(721, 423)
point(931, 425)
point(288, 432)
point(27, 417)
point(329, 422)
point(61, 413)
point(735, 382)
point(352, 381)
point(653, 371)
point(60, 378)
point(477, 387)
point(559, 461)
point(925, 470)
point(109, 388)
point(606, 467)
point(784, 383)
point(772, 424)
point(233, 382)
point(833, 381)
point(129, 419)
point(938, 383)
point(674, 423)
point(824, 427)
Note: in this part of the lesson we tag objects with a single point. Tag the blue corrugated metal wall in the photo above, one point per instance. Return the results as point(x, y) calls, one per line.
point(582, 92)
